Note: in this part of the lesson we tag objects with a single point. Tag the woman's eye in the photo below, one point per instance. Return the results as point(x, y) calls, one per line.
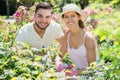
point(72, 16)
point(65, 17)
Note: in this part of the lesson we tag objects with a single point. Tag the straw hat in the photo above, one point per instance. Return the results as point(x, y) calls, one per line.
point(71, 7)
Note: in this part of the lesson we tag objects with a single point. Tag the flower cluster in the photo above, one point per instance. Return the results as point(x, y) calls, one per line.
point(20, 14)
point(90, 16)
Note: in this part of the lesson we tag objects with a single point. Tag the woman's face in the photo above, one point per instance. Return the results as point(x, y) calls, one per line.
point(71, 19)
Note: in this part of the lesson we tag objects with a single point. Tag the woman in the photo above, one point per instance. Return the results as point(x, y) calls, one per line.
point(79, 43)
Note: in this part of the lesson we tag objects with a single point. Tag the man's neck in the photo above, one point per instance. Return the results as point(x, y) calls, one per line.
point(39, 31)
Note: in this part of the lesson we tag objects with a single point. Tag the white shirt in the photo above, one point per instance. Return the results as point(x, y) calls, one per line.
point(27, 34)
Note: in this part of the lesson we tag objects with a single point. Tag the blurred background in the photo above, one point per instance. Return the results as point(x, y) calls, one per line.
point(8, 7)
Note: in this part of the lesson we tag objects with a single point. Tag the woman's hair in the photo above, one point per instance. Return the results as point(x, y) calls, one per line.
point(44, 5)
point(81, 24)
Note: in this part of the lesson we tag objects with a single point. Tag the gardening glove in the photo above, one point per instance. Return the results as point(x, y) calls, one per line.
point(59, 66)
point(70, 72)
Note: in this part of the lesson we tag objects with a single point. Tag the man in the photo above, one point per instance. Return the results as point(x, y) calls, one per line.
point(43, 31)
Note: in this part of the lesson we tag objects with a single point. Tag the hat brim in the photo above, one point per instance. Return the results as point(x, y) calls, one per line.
point(75, 11)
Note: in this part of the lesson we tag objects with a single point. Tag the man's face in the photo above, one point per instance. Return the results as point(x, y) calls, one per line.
point(43, 18)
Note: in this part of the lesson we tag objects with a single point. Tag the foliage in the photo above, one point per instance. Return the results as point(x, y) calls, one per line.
point(112, 3)
point(107, 33)
point(19, 62)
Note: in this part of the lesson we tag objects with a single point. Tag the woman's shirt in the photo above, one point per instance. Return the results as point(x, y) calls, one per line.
point(79, 55)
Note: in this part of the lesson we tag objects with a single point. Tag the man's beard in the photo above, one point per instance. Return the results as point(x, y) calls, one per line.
point(40, 27)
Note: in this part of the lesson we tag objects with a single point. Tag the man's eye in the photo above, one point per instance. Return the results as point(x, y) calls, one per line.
point(39, 16)
point(48, 17)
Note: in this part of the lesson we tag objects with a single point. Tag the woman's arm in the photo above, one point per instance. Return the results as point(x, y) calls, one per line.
point(91, 46)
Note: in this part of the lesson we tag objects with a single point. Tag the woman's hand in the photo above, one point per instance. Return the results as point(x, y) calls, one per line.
point(71, 72)
point(59, 65)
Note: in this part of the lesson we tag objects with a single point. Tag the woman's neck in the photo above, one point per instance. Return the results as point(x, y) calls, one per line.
point(76, 30)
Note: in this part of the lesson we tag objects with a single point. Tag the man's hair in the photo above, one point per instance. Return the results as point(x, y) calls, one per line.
point(44, 5)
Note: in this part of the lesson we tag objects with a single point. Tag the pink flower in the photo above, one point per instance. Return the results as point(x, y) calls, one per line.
point(22, 7)
point(85, 13)
point(20, 14)
point(91, 12)
point(32, 19)
point(109, 9)
point(55, 16)
point(17, 14)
